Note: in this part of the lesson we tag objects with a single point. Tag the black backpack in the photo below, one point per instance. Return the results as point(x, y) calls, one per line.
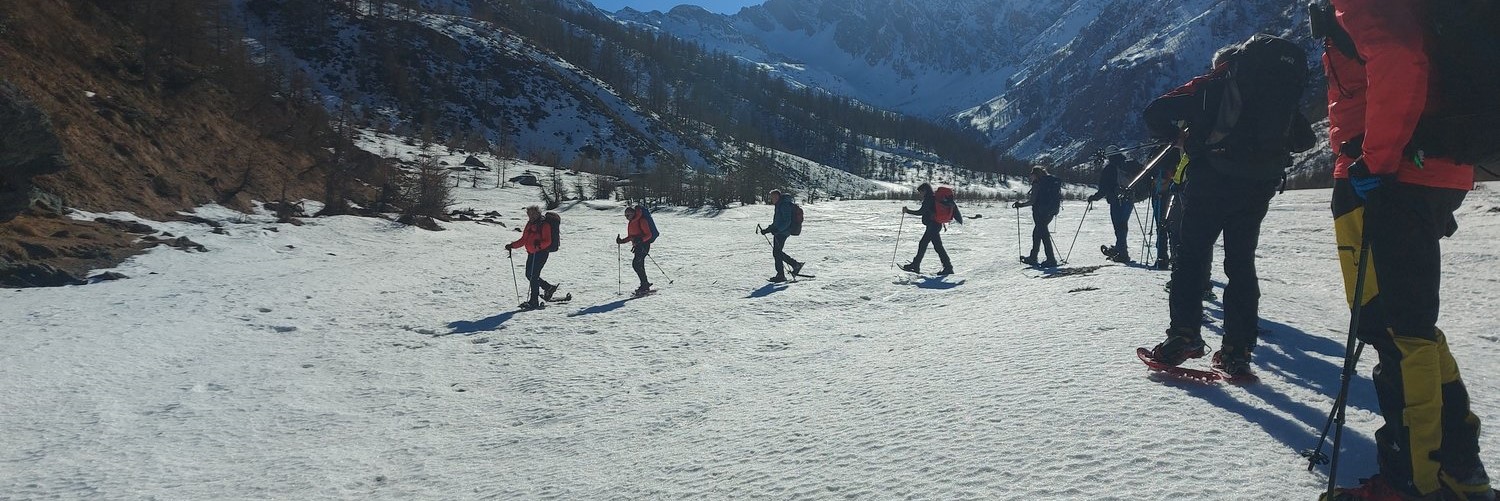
point(1464, 57)
point(1255, 112)
point(555, 221)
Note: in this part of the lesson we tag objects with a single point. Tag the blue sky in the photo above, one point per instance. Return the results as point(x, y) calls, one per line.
point(721, 6)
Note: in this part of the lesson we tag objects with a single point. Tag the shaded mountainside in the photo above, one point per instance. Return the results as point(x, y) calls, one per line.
point(561, 82)
point(1062, 78)
point(141, 106)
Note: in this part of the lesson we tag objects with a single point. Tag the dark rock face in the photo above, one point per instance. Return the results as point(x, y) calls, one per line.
point(422, 222)
point(28, 148)
point(35, 275)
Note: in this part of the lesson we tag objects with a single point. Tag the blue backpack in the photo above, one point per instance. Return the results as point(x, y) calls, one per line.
point(650, 222)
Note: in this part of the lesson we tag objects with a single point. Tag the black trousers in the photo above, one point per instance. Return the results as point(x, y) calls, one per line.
point(1216, 204)
point(934, 236)
point(1120, 210)
point(534, 265)
point(1041, 235)
point(1429, 429)
point(641, 250)
point(777, 252)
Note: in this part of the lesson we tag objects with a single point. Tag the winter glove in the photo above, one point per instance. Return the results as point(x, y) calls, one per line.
point(1096, 197)
point(1366, 184)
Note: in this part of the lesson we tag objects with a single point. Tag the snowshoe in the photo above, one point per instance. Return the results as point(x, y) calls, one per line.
point(1178, 348)
point(1182, 372)
point(529, 306)
point(1371, 489)
point(797, 268)
point(548, 291)
point(564, 299)
point(1050, 263)
point(1028, 260)
point(777, 279)
point(912, 268)
point(642, 292)
point(1108, 251)
point(1162, 264)
point(1234, 365)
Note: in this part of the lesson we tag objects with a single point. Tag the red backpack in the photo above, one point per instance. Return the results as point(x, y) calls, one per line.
point(944, 206)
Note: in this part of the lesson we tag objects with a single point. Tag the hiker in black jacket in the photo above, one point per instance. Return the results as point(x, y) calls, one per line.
point(1045, 200)
point(1235, 162)
point(934, 224)
point(1113, 177)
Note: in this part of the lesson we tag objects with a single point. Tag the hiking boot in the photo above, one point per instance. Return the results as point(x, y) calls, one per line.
point(1120, 257)
point(1162, 264)
point(912, 267)
point(1472, 486)
point(1178, 348)
point(532, 305)
point(1373, 489)
point(946, 271)
point(777, 279)
point(1233, 362)
point(1031, 260)
point(1049, 263)
point(797, 268)
point(547, 292)
point(644, 288)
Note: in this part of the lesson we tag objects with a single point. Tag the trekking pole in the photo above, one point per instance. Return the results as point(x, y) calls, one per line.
point(758, 230)
point(1352, 350)
point(1135, 208)
point(658, 268)
point(513, 282)
point(1085, 217)
point(1019, 250)
point(899, 227)
point(619, 270)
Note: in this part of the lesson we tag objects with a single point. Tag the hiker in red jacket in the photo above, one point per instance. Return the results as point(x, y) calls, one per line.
point(539, 238)
point(640, 234)
point(1379, 87)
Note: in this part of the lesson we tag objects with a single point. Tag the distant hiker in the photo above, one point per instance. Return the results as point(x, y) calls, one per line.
point(1045, 200)
point(640, 232)
point(1116, 174)
point(938, 208)
point(1396, 191)
point(1242, 120)
point(1166, 205)
point(786, 223)
point(540, 239)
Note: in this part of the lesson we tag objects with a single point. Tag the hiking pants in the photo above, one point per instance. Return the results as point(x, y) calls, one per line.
point(638, 263)
point(1041, 235)
point(1163, 204)
point(779, 243)
point(1120, 210)
point(1429, 430)
point(534, 264)
point(934, 236)
point(1216, 204)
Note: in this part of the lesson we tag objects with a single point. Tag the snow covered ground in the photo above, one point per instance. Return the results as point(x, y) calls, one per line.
point(358, 359)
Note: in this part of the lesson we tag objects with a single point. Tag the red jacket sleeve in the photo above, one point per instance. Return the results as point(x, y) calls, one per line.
point(1390, 38)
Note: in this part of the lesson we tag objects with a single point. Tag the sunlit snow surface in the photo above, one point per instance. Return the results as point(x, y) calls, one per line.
point(357, 358)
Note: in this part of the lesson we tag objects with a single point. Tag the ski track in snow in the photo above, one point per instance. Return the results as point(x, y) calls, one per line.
point(356, 358)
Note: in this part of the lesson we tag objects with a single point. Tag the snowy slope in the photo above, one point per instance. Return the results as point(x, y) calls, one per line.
point(356, 358)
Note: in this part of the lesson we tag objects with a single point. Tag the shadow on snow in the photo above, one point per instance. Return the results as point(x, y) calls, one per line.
point(936, 283)
point(603, 308)
point(766, 290)
point(488, 324)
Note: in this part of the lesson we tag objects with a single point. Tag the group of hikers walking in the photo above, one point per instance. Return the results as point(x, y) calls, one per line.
point(1228, 136)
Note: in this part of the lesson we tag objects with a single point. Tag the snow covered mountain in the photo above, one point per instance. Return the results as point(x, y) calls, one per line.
point(558, 81)
point(1064, 76)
